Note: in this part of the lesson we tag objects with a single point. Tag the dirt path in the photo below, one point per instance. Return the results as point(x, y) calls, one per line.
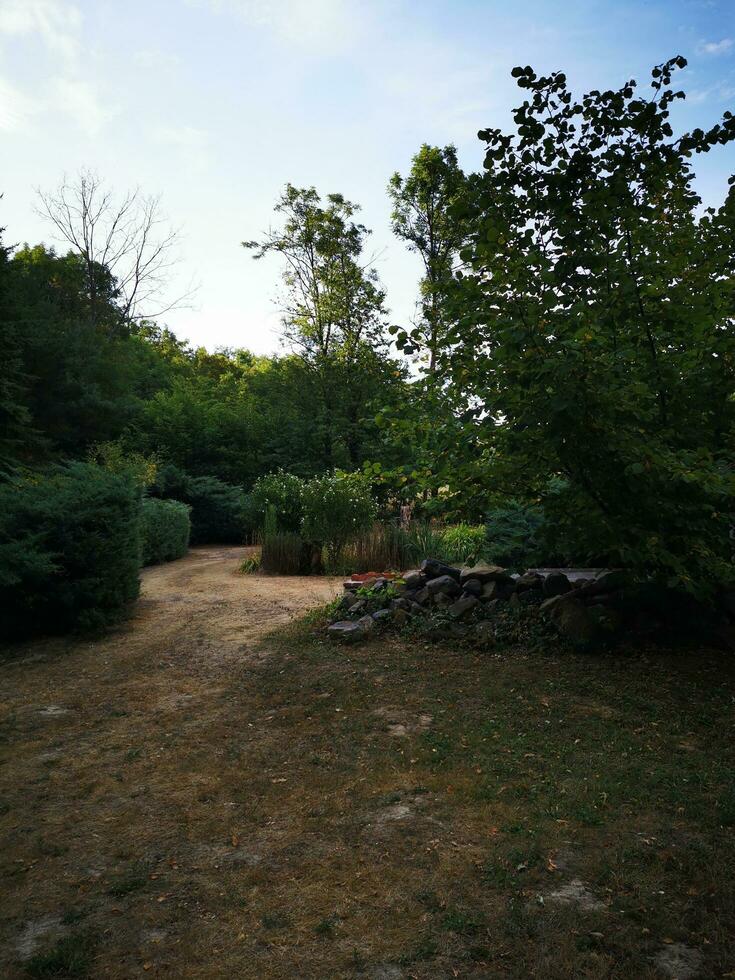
point(110, 748)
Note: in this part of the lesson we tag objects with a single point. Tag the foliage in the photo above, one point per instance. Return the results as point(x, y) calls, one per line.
point(250, 565)
point(425, 217)
point(283, 493)
point(462, 544)
point(114, 457)
point(69, 550)
point(165, 530)
point(513, 534)
point(594, 339)
point(218, 510)
point(337, 508)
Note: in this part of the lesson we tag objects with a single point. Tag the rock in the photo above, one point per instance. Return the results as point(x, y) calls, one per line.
point(514, 601)
point(574, 621)
point(485, 573)
point(528, 581)
point(608, 620)
point(351, 586)
point(415, 609)
point(414, 579)
point(400, 617)
point(459, 631)
point(445, 584)
point(496, 590)
point(442, 600)
point(400, 603)
point(380, 584)
point(548, 605)
point(556, 583)
point(346, 632)
point(436, 569)
point(422, 596)
point(608, 580)
point(367, 623)
point(473, 586)
point(357, 607)
point(484, 633)
point(382, 616)
point(462, 606)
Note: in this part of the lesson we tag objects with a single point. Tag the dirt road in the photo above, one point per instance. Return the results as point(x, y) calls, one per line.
point(111, 752)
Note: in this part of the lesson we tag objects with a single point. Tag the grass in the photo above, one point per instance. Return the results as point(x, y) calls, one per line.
point(276, 825)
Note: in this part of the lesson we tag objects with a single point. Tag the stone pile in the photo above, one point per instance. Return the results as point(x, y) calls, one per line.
point(579, 602)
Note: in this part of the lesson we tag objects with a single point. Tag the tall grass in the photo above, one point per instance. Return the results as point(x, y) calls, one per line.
point(282, 553)
point(382, 548)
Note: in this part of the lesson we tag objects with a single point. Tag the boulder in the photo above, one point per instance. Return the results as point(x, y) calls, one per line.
point(414, 579)
point(415, 609)
point(556, 583)
point(473, 586)
point(357, 607)
point(442, 600)
point(382, 616)
point(548, 605)
point(529, 581)
point(608, 580)
point(462, 606)
point(496, 590)
point(445, 584)
point(400, 603)
point(422, 596)
point(367, 623)
point(485, 573)
point(436, 569)
point(574, 621)
point(400, 617)
point(380, 584)
point(346, 632)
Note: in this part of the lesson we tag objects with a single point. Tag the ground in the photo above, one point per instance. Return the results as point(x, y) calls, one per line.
point(197, 795)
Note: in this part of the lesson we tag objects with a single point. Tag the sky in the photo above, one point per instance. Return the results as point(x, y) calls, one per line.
point(217, 104)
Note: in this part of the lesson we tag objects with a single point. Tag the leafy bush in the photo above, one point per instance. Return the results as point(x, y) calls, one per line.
point(164, 530)
point(69, 550)
point(284, 493)
point(513, 534)
point(338, 507)
point(219, 511)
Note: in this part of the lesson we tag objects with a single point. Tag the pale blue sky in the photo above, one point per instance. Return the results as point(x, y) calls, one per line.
point(216, 104)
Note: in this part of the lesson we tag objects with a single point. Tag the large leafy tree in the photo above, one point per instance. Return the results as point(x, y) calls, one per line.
point(333, 313)
point(425, 216)
point(596, 338)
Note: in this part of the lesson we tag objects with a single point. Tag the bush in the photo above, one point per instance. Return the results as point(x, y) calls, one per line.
point(164, 530)
point(219, 511)
point(284, 494)
point(513, 535)
point(338, 507)
point(69, 550)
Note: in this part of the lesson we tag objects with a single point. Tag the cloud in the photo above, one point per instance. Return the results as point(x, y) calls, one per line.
point(192, 144)
point(336, 24)
point(79, 100)
point(715, 47)
point(15, 108)
point(57, 23)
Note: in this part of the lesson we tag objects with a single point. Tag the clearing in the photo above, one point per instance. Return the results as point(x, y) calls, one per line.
point(197, 796)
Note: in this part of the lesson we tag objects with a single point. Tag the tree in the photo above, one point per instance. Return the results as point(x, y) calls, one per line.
point(125, 240)
point(596, 340)
point(15, 421)
point(333, 310)
point(426, 217)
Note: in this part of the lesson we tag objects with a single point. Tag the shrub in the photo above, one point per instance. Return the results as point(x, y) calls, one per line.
point(218, 510)
point(164, 530)
point(284, 494)
point(338, 507)
point(513, 535)
point(69, 550)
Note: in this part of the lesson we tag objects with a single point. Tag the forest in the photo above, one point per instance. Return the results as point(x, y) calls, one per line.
point(563, 395)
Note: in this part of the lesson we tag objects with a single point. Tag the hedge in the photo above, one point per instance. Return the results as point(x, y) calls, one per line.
point(219, 510)
point(69, 550)
point(164, 530)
